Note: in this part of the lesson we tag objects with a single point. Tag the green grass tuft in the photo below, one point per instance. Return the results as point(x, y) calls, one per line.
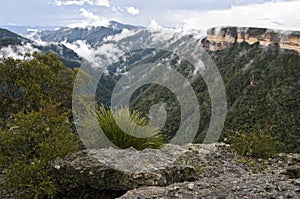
point(151, 135)
point(256, 143)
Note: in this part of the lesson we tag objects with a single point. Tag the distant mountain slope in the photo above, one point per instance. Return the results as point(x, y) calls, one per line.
point(9, 38)
point(91, 35)
point(24, 30)
point(261, 81)
point(67, 56)
point(53, 37)
point(16, 44)
point(119, 26)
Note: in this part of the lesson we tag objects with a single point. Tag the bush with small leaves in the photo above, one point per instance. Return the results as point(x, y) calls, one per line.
point(256, 143)
point(28, 144)
point(35, 103)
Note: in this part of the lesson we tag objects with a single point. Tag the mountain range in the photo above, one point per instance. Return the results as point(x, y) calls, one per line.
point(259, 68)
point(12, 44)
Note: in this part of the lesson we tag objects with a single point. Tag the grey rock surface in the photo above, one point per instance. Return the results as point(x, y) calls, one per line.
point(254, 186)
point(293, 168)
point(190, 171)
point(223, 174)
point(122, 170)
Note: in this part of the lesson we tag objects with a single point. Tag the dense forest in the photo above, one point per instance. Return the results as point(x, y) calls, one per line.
point(261, 90)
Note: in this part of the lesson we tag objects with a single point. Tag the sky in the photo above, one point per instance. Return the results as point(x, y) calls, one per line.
point(187, 14)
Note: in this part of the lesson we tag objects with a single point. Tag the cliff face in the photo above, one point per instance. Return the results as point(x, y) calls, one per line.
point(218, 39)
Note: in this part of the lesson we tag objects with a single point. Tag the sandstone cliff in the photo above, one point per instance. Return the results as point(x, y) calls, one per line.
point(220, 38)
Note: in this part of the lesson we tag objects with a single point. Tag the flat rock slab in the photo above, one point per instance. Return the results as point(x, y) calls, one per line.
point(115, 169)
point(254, 186)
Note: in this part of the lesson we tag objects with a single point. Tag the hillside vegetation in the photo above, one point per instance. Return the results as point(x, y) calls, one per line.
point(262, 88)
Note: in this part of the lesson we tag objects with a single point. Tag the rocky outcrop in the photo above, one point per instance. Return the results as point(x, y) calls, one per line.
point(220, 38)
point(122, 170)
point(227, 175)
point(254, 186)
point(190, 171)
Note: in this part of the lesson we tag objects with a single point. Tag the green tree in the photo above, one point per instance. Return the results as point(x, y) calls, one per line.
point(35, 104)
point(29, 84)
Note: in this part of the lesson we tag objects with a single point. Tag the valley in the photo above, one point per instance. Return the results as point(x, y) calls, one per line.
point(258, 67)
point(44, 154)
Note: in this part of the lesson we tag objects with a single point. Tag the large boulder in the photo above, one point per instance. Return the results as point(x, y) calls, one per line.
point(122, 170)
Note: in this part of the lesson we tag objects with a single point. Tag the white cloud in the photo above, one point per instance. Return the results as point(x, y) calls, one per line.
point(118, 37)
point(88, 15)
point(17, 52)
point(118, 10)
point(78, 3)
point(90, 20)
point(194, 14)
point(34, 36)
point(72, 2)
point(57, 3)
point(275, 15)
point(132, 10)
point(104, 3)
point(105, 54)
point(81, 48)
point(154, 24)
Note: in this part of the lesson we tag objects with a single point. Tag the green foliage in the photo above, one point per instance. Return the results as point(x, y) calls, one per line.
point(271, 99)
point(122, 139)
point(35, 104)
point(261, 87)
point(29, 143)
point(26, 85)
point(256, 143)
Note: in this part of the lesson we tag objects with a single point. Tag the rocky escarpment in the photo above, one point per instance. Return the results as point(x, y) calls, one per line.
point(190, 171)
point(220, 38)
point(121, 170)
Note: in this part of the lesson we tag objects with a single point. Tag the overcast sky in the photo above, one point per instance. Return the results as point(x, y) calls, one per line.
point(190, 14)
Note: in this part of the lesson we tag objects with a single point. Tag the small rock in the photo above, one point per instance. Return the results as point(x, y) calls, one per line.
point(296, 182)
point(293, 171)
point(190, 186)
point(268, 188)
point(288, 195)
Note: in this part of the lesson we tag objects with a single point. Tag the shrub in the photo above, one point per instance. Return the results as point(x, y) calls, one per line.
point(35, 103)
point(120, 138)
point(28, 144)
point(26, 85)
point(256, 143)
